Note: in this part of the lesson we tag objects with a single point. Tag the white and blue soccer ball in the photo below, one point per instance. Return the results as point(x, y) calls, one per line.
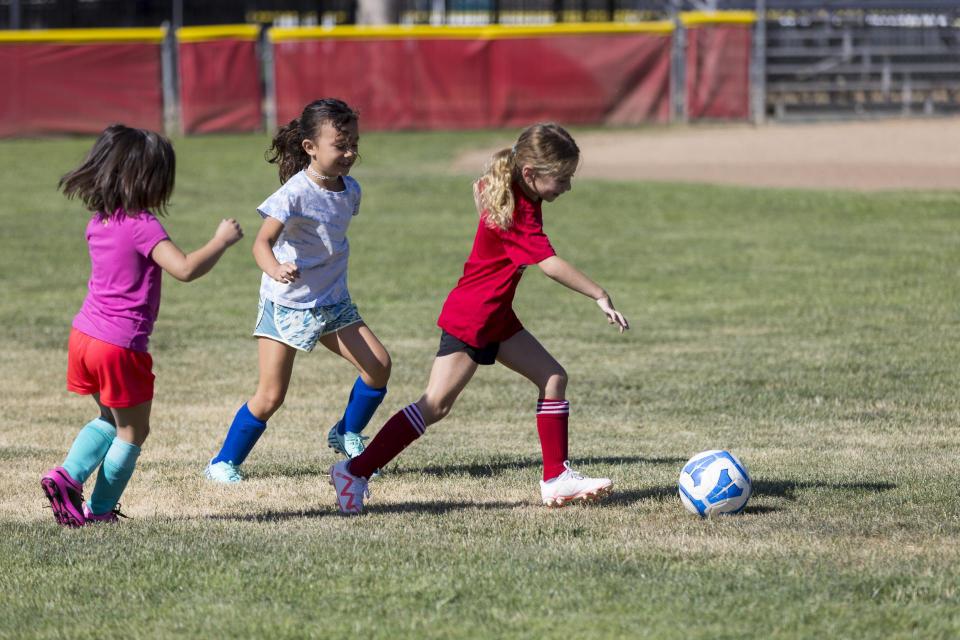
point(714, 482)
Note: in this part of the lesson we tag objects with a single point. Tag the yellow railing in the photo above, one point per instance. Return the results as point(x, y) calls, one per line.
point(145, 34)
point(218, 32)
point(393, 32)
point(700, 18)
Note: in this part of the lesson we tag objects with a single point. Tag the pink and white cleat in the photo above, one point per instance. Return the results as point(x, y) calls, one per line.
point(109, 516)
point(570, 486)
point(351, 490)
point(65, 495)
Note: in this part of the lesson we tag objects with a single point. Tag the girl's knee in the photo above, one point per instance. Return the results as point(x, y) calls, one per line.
point(134, 433)
point(555, 386)
point(378, 374)
point(434, 410)
point(266, 402)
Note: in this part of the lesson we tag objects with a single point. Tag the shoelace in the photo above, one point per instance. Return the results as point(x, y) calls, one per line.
point(569, 472)
point(364, 487)
point(233, 474)
point(116, 511)
point(354, 441)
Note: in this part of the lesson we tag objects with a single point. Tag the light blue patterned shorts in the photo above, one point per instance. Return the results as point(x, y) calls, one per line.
point(301, 328)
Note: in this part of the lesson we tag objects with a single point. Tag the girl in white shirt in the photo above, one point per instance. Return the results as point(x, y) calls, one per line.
point(302, 250)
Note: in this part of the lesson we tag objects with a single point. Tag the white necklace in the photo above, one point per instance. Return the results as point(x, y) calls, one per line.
point(316, 176)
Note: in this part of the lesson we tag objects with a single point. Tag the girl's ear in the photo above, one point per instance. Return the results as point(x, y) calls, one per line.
point(528, 173)
point(309, 147)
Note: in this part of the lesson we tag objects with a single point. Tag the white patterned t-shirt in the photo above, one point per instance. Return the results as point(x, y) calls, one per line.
point(314, 238)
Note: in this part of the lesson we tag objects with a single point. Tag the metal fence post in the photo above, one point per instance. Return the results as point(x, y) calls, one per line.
point(758, 66)
point(269, 81)
point(678, 70)
point(16, 19)
point(168, 67)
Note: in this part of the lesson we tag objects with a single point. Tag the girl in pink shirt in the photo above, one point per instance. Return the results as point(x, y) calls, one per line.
point(126, 181)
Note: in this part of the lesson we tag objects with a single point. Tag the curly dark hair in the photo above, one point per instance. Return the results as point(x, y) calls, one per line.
point(287, 152)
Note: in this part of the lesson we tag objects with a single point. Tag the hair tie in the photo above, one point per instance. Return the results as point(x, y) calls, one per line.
point(513, 149)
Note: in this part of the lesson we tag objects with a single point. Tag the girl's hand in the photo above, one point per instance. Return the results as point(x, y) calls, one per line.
point(229, 232)
point(285, 273)
point(613, 316)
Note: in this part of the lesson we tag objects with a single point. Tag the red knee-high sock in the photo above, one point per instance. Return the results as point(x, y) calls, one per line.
point(400, 430)
point(552, 418)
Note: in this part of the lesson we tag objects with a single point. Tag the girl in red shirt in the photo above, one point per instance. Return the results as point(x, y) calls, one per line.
point(479, 324)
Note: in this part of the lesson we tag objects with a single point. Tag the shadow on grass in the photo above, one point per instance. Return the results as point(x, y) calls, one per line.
point(759, 509)
point(788, 488)
point(626, 497)
point(436, 507)
point(762, 488)
point(493, 468)
point(474, 470)
point(301, 470)
point(632, 496)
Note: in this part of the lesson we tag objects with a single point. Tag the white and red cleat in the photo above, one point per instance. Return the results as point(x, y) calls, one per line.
point(570, 486)
point(351, 490)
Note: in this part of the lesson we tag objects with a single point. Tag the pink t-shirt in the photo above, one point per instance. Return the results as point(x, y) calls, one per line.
point(124, 289)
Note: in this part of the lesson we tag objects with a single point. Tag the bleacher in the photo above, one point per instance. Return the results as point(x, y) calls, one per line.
point(862, 58)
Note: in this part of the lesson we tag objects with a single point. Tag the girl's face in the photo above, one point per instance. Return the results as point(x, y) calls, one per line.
point(333, 152)
point(548, 188)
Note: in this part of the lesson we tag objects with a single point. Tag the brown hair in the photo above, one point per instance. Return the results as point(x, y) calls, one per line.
point(547, 147)
point(287, 152)
point(128, 170)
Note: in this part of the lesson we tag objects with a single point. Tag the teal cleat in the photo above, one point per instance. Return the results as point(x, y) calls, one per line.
point(347, 444)
point(224, 472)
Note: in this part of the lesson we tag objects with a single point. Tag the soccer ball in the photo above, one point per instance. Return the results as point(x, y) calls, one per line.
point(714, 482)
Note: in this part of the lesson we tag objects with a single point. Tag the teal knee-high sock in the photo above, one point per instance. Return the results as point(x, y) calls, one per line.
point(88, 449)
point(116, 470)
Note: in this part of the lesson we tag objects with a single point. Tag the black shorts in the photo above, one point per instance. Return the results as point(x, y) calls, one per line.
point(480, 355)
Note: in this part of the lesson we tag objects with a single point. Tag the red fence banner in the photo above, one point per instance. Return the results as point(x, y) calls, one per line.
point(80, 80)
point(472, 77)
point(718, 64)
point(399, 77)
point(219, 79)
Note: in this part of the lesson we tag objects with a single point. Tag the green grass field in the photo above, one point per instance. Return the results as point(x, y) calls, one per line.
point(815, 334)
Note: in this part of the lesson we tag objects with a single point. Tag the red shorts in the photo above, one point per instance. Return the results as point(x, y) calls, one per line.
point(122, 377)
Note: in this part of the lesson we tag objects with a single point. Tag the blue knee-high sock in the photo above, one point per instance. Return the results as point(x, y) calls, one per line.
point(114, 474)
point(88, 448)
point(244, 432)
point(361, 406)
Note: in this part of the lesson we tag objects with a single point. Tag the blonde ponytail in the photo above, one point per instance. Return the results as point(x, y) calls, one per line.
point(546, 147)
point(497, 194)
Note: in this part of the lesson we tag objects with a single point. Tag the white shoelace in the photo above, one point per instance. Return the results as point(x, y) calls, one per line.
point(363, 486)
point(568, 473)
point(233, 474)
point(573, 474)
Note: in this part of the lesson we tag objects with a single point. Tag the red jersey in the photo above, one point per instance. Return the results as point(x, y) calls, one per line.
point(479, 309)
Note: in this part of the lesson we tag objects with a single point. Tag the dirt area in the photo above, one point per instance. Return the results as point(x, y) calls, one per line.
point(870, 155)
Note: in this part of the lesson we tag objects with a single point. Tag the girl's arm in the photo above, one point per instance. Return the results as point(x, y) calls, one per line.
point(270, 230)
point(569, 276)
point(196, 263)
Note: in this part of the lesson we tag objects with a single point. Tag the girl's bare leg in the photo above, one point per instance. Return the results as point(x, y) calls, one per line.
point(358, 345)
point(276, 367)
point(448, 377)
point(525, 355)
